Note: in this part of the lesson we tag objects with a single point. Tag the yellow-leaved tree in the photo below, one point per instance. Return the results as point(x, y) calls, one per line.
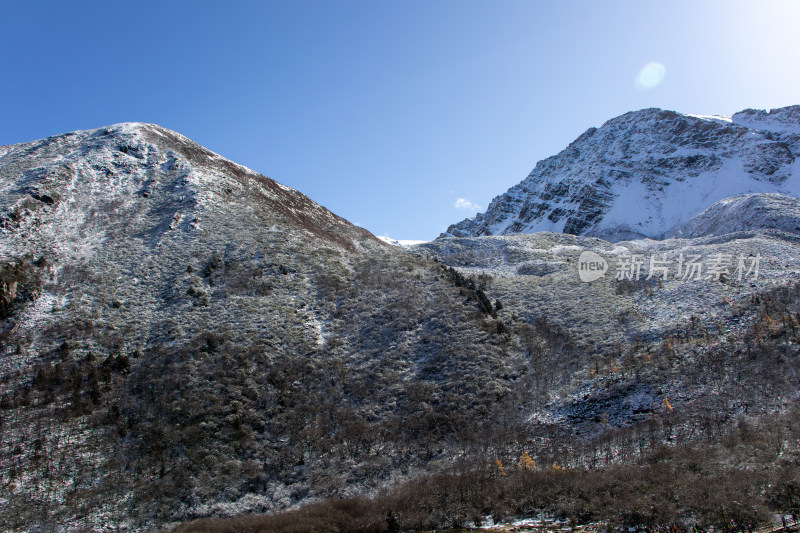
point(525, 462)
point(667, 406)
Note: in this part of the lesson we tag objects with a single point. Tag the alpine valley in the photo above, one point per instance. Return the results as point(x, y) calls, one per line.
point(188, 345)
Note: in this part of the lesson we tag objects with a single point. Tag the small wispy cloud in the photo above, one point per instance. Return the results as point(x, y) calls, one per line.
point(463, 203)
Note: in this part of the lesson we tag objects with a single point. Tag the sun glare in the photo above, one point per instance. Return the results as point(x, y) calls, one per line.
point(650, 76)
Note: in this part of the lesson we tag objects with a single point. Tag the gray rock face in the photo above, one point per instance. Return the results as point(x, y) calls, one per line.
point(646, 172)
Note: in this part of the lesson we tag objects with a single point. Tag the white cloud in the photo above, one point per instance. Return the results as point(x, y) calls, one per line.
point(463, 203)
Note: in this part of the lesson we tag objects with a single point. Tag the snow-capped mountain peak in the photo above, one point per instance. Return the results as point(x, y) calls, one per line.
point(646, 172)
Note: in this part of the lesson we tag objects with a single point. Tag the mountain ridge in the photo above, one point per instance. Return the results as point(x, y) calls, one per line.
point(188, 338)
point(645, 172)
point(122, 146)
point(181, 338)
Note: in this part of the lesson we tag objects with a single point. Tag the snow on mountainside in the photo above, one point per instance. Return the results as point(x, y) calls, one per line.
point(745, 212)
point(132, 201)
point(68, 192)
point(181, 337)
point(646, 172)
point(400, 242)
point(173, 325)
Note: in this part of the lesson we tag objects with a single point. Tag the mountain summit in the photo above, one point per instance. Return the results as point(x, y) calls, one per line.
point(646, 172)
point(182, 337)
point(146, 184)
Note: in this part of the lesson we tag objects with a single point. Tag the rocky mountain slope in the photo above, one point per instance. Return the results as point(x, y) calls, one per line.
point(652, 293)
point(646, 172)
point(742, 213)
point(184, 337)
point(181, 337)
point(705, 276)
point(134, 201)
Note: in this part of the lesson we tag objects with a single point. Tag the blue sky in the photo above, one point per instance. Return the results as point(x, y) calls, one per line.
point(401, 116)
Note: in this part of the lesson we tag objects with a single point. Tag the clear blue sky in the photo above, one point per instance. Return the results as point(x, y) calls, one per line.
point(387, 112)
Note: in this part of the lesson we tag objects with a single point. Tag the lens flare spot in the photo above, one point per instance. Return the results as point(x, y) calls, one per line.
point(651, 75)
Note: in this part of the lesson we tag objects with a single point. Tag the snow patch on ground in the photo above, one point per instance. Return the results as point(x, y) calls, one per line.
point(399, 242)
